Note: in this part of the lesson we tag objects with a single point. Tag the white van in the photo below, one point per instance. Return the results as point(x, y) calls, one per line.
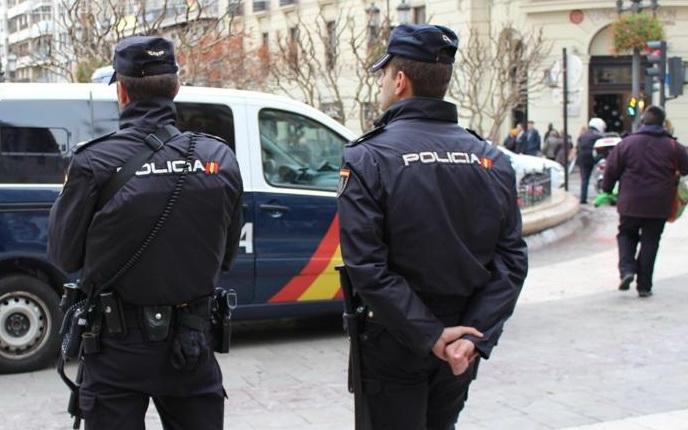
point(289, 155)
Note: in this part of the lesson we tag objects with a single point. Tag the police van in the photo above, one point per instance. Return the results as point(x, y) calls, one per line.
point(289, 155)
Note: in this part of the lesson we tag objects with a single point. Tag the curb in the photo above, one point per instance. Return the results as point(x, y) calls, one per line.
point(560, 208)
point(556, 219)
point(562, 231)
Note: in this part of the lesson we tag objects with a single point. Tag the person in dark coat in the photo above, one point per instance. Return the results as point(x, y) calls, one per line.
point(586, 159)
point(645, 164)
point(529, 141)
point(431, 237)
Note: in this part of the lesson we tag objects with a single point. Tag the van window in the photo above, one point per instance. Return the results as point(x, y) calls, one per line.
point(32, 154)
point(202, 117)
point(299, 152)
point(36, 136)
point(207, 118)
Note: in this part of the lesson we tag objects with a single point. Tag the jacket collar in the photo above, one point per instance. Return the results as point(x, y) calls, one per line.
point(148, 114)
point(419, 108)
point(654, 130)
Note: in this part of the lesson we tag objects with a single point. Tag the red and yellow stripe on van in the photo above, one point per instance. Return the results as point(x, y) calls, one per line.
point(317, 280)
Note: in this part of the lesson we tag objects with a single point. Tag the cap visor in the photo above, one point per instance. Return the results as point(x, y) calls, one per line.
point(379, 64)
point(113, 78)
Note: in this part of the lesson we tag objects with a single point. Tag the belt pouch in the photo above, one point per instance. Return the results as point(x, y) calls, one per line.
point(156, 322)
point(91, 342)
point(113, 314)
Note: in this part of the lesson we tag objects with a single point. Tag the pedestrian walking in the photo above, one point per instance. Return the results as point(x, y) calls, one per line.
point(431, 239)
point(586, 158)
point(163, 232)
point(645, 164)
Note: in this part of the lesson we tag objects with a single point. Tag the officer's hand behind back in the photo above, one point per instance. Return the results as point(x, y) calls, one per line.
point(449, 335)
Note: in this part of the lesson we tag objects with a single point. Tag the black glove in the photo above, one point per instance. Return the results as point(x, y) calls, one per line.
point(190, 345)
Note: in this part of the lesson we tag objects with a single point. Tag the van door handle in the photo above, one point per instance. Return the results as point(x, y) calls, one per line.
point(276, 211)
point(271, 207)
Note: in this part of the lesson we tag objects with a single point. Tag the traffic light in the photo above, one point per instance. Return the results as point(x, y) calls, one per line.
point(677, 76)
point(657, 58)
point(633, 107)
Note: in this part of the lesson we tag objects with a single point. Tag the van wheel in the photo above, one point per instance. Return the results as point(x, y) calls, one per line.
point(29, 323)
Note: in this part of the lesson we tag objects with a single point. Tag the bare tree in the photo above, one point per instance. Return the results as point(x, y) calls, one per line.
point(222, 60)
point(87, 30)
point(307, 62)
point(495, 73)
point(367, 47)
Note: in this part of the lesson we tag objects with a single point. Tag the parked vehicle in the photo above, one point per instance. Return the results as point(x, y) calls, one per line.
point(289, 155)
point(529, 166)
point(102, 75)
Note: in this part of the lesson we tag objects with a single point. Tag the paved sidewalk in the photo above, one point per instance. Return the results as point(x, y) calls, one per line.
point(677, 420)
point(576, 353)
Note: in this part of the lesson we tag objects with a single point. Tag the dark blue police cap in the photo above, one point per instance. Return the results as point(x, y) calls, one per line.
point(140, 56)
point(420, 42)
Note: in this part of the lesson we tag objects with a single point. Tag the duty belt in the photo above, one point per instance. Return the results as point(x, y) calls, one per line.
point(154, 321)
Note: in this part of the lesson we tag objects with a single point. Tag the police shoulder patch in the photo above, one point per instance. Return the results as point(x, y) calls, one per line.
point(344, 175)
point(367, 135)
point(83, 145)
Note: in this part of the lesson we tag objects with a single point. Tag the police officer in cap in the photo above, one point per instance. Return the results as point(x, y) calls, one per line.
point(431, 237)
point(155, 340)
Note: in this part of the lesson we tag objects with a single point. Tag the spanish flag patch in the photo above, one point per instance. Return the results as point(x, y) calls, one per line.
point(343, 180)
point(212, 167)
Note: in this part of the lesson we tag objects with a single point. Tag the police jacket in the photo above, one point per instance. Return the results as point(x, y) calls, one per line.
point(428, 211)
point(202, 232)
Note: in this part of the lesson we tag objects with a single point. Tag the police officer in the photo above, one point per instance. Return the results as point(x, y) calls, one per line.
point(431, 237)
point(164, 349)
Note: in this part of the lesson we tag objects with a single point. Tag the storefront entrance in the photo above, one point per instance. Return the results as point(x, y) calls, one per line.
point(610, 91)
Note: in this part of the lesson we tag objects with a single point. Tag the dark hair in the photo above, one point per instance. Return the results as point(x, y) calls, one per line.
point(654, 115)
point(427, 79)
point(531, 122)
point(150, 86)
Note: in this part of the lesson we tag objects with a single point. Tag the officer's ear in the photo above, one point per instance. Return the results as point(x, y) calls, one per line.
point(122, 95)
point(403, 87)
point(177, 90)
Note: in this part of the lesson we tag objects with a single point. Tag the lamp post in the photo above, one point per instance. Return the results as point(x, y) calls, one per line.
point(404, 12)
point(373, 13)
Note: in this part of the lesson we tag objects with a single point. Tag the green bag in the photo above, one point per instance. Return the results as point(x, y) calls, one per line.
point(603, 198)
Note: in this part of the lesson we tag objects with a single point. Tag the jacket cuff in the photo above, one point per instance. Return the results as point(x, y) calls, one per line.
point(482, 345)
point(433, 336)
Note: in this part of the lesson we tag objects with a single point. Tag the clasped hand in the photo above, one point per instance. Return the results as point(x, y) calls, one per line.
point(458, 352)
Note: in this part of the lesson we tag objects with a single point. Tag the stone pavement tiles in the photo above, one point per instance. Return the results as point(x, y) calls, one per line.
point(577, 352)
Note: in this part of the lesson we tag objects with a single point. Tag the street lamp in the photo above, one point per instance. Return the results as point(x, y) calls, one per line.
point(404, 12)
point(373, 13)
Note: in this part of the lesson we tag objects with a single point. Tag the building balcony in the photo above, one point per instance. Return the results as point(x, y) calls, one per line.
point(42, 28)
